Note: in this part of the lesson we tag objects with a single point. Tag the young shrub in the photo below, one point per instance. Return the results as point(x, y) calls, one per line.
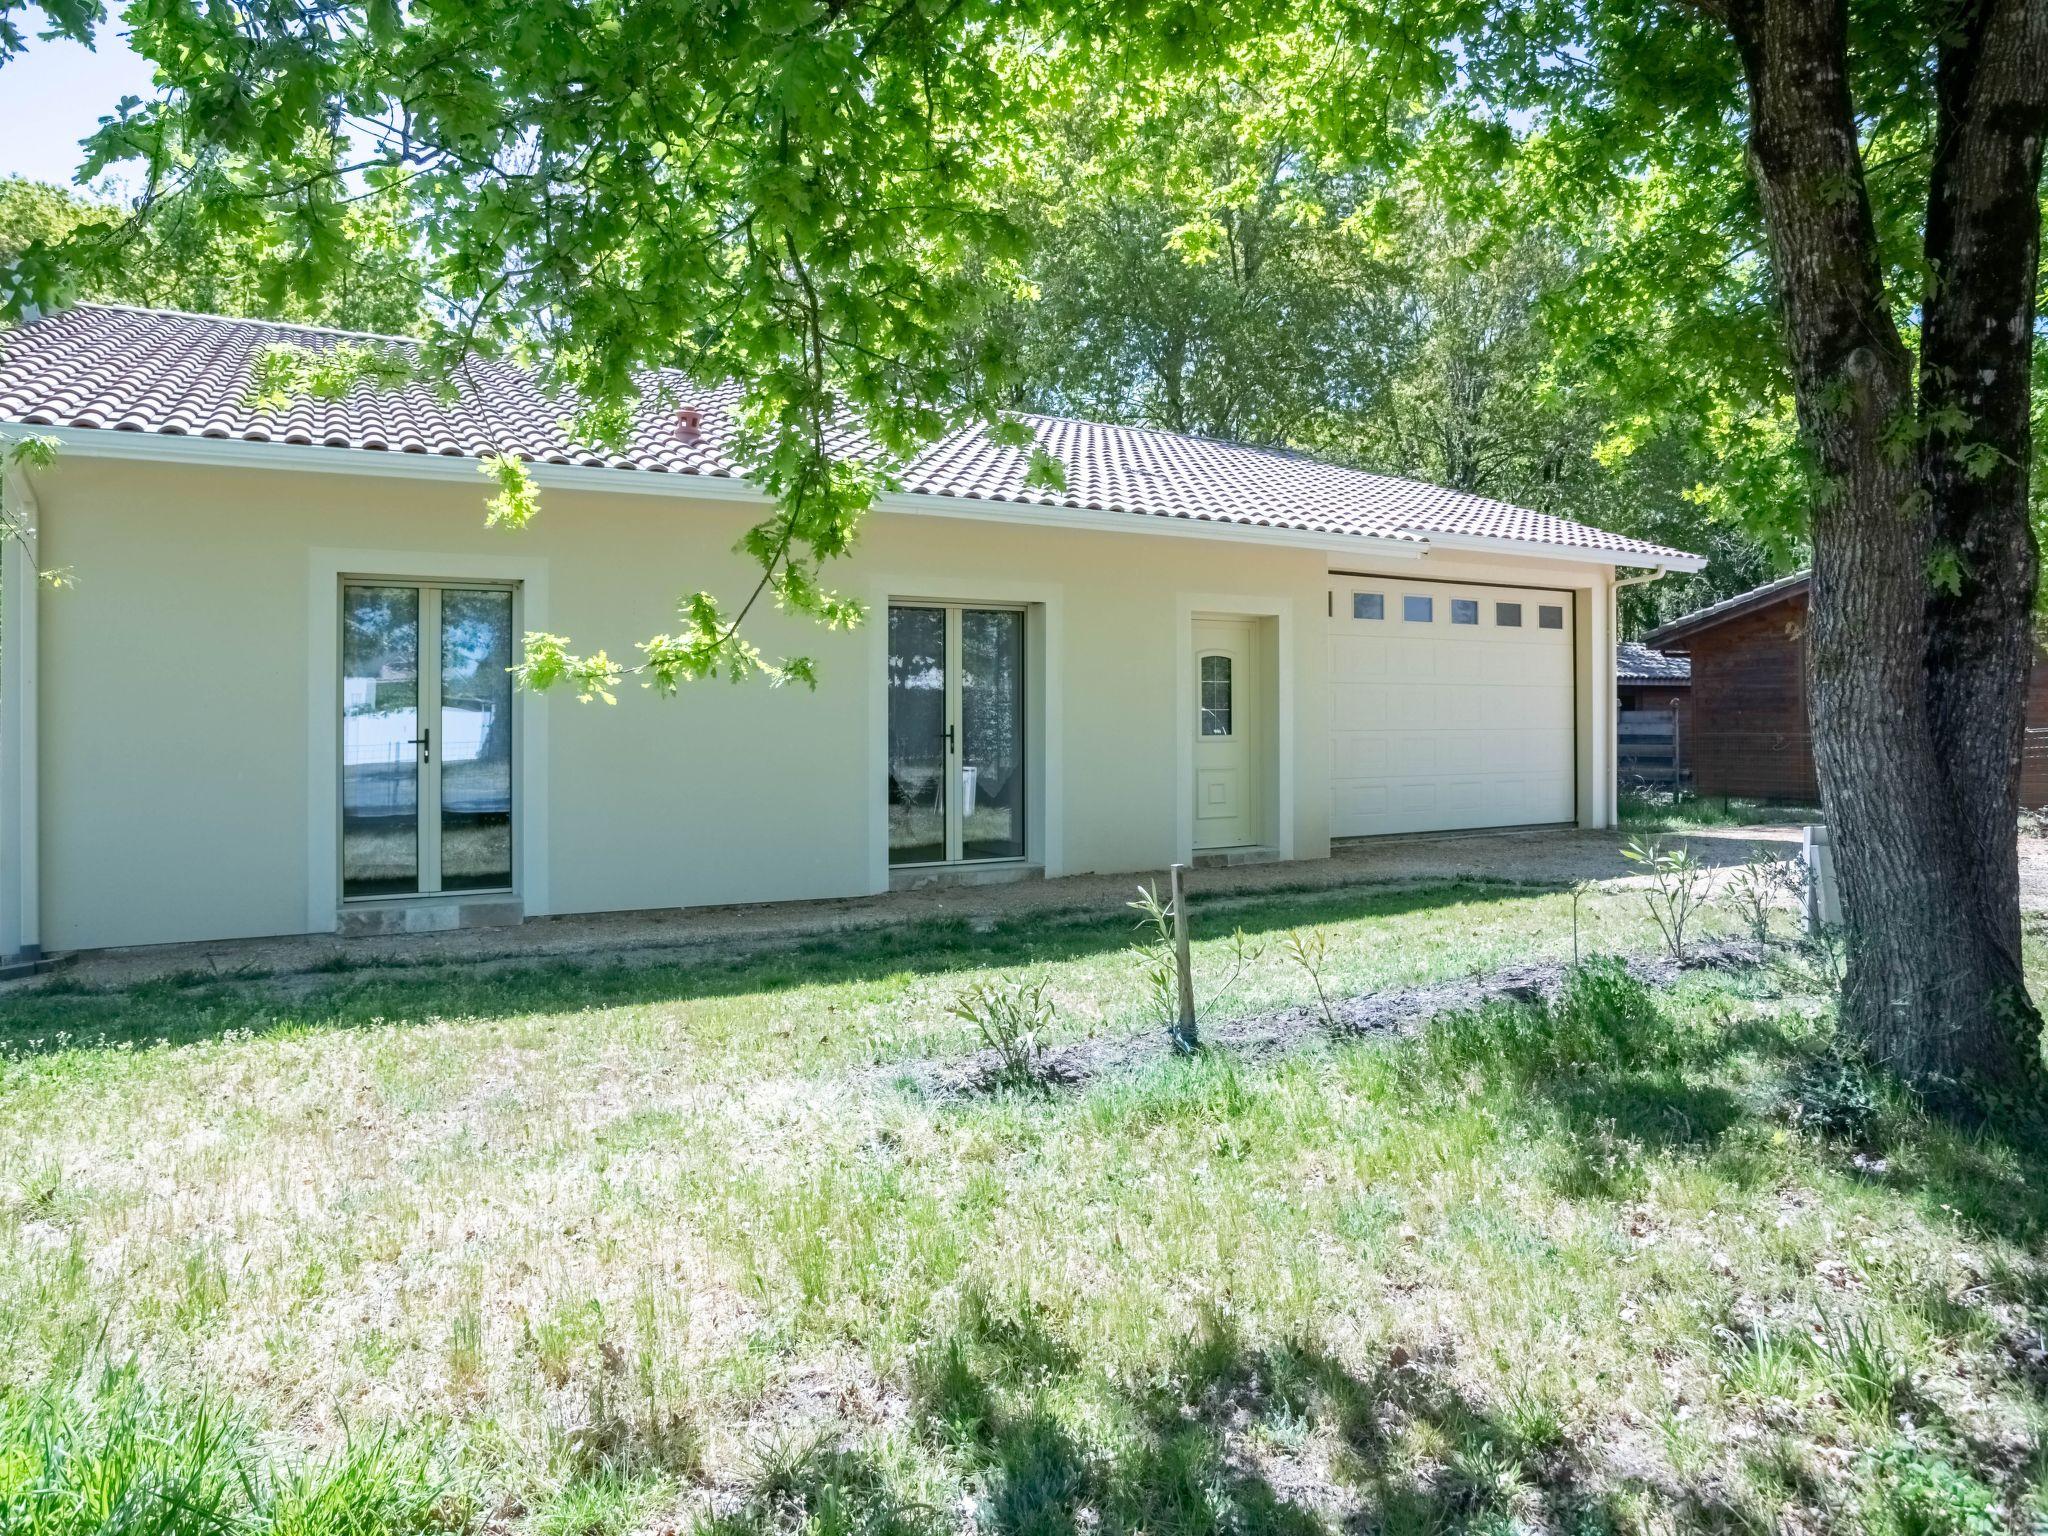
point(1153, 953)
point(1759, 887)
point(1678, 888)
point(1581, 889)
point(1012, 1022)
point(1309, 949)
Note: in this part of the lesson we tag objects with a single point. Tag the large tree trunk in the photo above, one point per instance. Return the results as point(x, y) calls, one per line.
point(1976, 399)
point(1917, 699)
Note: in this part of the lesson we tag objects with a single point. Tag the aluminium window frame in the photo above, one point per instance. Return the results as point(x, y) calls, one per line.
point(427, 706)
point(955, 852)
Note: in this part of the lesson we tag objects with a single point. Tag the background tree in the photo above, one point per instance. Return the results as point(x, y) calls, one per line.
point(1193, 266)
point(1868, 178)
point(371, 279)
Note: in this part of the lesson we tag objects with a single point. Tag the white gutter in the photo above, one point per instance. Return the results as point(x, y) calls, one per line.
point(21, 925)
point(1657, 575)
point(1606, 648)
point(160, 447)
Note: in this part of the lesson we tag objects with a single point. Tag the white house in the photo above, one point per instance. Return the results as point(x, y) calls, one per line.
point(274, 699)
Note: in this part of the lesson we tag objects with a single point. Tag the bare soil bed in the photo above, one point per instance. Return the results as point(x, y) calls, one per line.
point(1257, 1036)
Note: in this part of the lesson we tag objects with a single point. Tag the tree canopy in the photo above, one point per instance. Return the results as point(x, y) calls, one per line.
point(1713, 219)
point(1286, 223)
point(176, 260)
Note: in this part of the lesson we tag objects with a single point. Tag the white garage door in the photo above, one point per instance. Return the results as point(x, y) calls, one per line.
point(1450, 706)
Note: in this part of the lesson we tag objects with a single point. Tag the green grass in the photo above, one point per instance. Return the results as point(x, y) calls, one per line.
point(1657, 811)
point(612, 1249)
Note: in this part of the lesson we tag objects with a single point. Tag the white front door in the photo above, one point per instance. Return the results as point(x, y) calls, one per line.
point(1229, 727)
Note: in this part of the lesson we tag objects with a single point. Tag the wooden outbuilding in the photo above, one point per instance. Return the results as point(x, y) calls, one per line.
point(1751, 696)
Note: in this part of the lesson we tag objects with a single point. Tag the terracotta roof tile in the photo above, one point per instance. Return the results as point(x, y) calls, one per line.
point(134, 370)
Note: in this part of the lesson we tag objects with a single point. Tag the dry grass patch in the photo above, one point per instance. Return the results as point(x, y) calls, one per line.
point(624, 1250)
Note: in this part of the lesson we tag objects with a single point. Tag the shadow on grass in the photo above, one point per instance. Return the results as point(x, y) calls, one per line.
point(1228, 1437)
point(199, 1006)
point(1991, 1177)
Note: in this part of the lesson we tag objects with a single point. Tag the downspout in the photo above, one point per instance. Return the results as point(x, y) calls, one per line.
point(1613, 726)
point(20, 820)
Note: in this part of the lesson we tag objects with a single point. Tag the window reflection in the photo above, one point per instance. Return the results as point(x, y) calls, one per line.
point(991, 733)
point(380, 689)
point(475, 740)
point(917, 735)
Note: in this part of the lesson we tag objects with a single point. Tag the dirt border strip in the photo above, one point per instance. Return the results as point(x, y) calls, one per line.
point(1260, 1036)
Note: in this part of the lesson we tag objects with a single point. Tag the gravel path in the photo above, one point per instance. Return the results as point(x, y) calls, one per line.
point(1545, 858)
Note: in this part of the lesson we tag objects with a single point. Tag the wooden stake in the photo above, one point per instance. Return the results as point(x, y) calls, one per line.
point(1184, 1036)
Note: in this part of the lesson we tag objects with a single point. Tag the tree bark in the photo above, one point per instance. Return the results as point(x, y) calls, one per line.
point(1918, 696)
point(1982, 249)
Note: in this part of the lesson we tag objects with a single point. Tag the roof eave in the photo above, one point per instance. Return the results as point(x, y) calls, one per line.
point(241, 453)
point(1679, 633)
point(1675, 560)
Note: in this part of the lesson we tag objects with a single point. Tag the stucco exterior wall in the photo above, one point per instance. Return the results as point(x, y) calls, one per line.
point(188, 694)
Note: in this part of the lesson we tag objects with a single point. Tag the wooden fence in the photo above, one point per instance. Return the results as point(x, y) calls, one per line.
point(1649, 753)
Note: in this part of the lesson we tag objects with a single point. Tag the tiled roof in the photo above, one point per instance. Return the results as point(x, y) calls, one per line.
point(135, 370)
point(1635, 662)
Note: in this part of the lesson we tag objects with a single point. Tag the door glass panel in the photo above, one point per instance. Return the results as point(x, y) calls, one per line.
point(474, 743)
point(991, 733)
point(380, 768)
point(917, 735)
point(1216, 700)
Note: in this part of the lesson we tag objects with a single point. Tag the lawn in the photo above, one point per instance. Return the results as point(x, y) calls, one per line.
point(1661, 811)
point(608, 1249)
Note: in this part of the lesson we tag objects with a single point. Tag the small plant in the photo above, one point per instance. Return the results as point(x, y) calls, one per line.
point(1835, 1095)
point(1863, 1368)
point(1153, 952)
point(1759, 886)
point(112, 1455)
point(1581, 889)
point(466, 1348)
point(1309, 949)
point(1678, 888)
point(1602, 1015)
point(1922, 1494)
point(1765, 1362)
point(1827, 953)
point(1012, 1022)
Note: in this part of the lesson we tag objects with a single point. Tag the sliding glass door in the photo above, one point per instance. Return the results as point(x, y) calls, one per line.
point(426, 738)
point(956, 733)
